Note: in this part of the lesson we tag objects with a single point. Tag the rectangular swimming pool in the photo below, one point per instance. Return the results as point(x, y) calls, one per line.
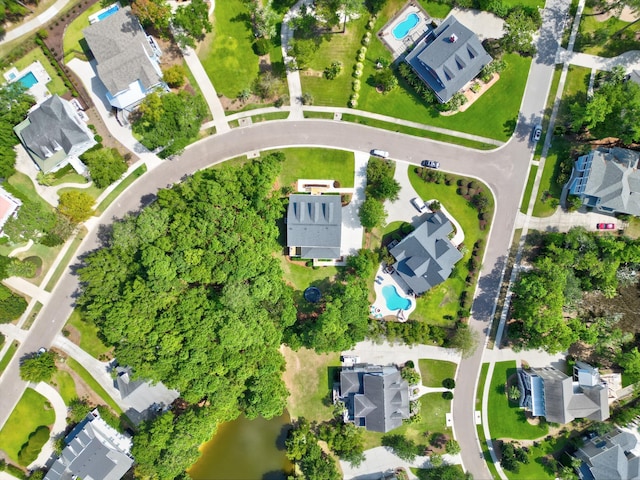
point(28, 80)
point(107, 13)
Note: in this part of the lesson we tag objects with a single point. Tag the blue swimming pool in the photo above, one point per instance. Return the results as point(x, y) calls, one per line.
point(28, 80)
point(395, 301)
point(107, 13)
point(403, 28)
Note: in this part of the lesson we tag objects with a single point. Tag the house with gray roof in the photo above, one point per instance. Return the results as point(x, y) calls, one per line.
point(54, 135)
point(314, 226)
point(548, 392)
point(609, 457)
point(447, 58)
point(426, 256)
point(376, 397)
point(127, 59)
point(608, 180)
point(93, 451)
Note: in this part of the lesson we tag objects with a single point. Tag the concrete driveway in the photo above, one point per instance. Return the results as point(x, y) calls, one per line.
point(483, 24)
point(386, 353)
point(402, 209)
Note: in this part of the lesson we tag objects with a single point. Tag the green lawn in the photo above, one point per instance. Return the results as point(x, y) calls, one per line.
point(317, 163)
point(23, 185)
point(48, 256)
point(32, 411)
point(227, 55)
point(479, 428)
point(506, 419)
point(633, 230)
point(527, 191)
point(93, 191)
point(93, 384)
point(551, 98)
point(89, 340)
point(73, 36)
point(309, 378)
point(432, 411)
point(63, 382)
point(56, 85)
point(75, 243)
point(598, 38)
point(122, 186)
point(575, 90)
point(68, 175)
point(535, 469)
point(433, 372)
point(442, 302)
point(11, 351)
point(435, 9)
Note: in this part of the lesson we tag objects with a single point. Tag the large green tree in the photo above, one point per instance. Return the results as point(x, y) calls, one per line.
point(14, 105)
point(106, 165)
point(38, 368)
point(192, 22)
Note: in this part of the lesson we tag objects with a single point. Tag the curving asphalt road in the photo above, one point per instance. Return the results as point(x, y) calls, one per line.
point(505, 170)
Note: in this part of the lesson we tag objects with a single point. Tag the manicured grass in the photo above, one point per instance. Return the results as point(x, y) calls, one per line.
point(56, 85)
point(310, 378)
point(32, 316)
point(122, 186)
point(11, 351)
point(89, 340)
point(441, 304)
point(48, 256)
point(506, 419)
point(71, 43)
point(433, 372)
point(64, 384)
point(32, 411)
point(227, 55)
point(269, 116)
point(92, 191)
point(317, 163)
point(598, 38)
point(194, 84)
point(551, 98)
point(93, 384)
point(23, 185)
point(75, 243)
point(432, 411)
point(524, 3)
point(417, 132)
point(301, 277)
point(68, 175)
point(324, 115)
point(633, 230)
point(527, 191)
point(435, 9)
point(335, 47)
point(535, 469)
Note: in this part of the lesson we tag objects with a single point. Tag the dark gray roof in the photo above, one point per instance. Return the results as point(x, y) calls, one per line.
point(51, 131)
point(426, 256)
point(634, 76)
point(126, 385)
point(565, 400)
point(450, 60)
point(608, 458)
point(93, 452)
point(314, 223)
point(376, 397)
point(122, 51)
point(609, 179)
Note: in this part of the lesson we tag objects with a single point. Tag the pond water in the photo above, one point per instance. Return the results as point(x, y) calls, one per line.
point(245, 450)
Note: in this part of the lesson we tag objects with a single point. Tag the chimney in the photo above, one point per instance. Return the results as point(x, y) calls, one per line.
point(453, 38)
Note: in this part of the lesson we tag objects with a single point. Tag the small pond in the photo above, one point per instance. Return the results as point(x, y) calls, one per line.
point(245, 450)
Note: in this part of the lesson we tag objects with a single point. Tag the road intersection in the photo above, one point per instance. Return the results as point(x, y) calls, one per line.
point(504, 170)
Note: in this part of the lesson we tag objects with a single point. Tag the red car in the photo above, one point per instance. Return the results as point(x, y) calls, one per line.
point(606, 226)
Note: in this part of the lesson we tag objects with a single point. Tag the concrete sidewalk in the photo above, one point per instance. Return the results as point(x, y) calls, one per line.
point(35, 23)
point(59, 426)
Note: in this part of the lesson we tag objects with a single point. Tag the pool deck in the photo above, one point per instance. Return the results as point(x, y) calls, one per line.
point(399, 46)
point(39, 91)
point(379, 307)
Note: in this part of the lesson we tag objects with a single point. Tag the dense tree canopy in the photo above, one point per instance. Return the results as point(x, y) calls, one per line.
point(170, 121)
point(14, 105)
point(303, 449)
point(39, 368)
point(566, 265)
point(192, 22)
point(106, 165)
point(190, 294)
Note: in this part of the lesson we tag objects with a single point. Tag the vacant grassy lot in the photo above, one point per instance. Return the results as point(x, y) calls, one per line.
point(506, 419)
point(73, 36)
point(56, 85)
point(63, 382)
point(317, 163)
point(433, 372)
point(32, 411)
point(226, 54)
point(309, 378)
point(93, 384)
point(433, 409)
point(89, 340)
point(440, 305)
point(599, 38)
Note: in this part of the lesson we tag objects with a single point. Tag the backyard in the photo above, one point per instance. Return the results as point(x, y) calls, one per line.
point(73, 43)
point(506, 419)
point(441, 304)
point(31, 412)
point(317, 163)
point(605, 38)
point(56, 85)
point(433, 372)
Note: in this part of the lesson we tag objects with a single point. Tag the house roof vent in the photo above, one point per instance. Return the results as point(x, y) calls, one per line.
point(453, 38)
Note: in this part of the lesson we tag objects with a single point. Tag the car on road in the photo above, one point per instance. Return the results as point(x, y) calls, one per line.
point(380, 153)
point(606, 226)
point(42, 350)
point(419, 204)
point(537, 133)
point(430, 164)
